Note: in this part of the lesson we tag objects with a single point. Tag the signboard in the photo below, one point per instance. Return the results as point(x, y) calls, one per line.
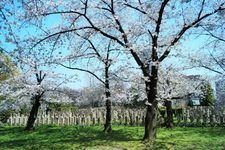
point(195, 101)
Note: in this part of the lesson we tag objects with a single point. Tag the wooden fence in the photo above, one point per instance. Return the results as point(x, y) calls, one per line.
point(92, 116)
point(196, 116)
point(201, 116)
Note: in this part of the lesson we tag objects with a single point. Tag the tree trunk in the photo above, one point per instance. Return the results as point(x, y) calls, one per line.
point(169, 111)
point(33, 113)
point(151, 114)
point(150, 124)
point(107, 126)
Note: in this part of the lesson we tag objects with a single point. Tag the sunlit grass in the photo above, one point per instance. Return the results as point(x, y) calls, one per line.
point(122, 138)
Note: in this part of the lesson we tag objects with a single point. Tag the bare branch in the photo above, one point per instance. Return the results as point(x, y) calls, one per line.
point(92, 45)
point(136, 8)
point(200, 12)
point(59, 33)
point(211, 69)
point(83, 70)
point(62, 12)
point(85, 7)
point(104, 33)
point(216, 60)
point(141, 10)
point(150, 33)
point(213, 35)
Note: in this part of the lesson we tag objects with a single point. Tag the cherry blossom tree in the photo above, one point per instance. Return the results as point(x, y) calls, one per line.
point(173, 86)
point(36, 78)
point(35, 75)
point(212, 58)
point(100, 53)
point(153, 29)
point(33, 85)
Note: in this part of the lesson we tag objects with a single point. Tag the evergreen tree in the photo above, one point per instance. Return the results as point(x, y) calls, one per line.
point(7, 68)
point(207, 98)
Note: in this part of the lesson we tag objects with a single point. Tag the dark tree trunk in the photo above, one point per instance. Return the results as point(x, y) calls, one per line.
point(107, 126)
point(150, 124)
point(151, 114)
point(169, 111)
point(33, 113)
point(37, 98)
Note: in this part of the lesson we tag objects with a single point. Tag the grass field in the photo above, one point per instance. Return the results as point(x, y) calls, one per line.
point(122, 138)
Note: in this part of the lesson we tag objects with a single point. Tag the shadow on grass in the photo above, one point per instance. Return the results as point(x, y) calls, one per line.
point(7, 130)
point(92, 137)
point(55, 137)
point(80, 137)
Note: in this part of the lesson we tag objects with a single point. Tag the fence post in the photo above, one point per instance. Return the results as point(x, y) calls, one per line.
point(195, 116)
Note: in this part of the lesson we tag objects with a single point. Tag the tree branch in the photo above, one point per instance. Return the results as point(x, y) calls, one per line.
point(59, 33)
point(157, 30)
point(83, 70)
point(213, 35)
point(133, 53)
point(62, 12)
point(161, 11)
point(221, 65)
point(104, 33)
point(187, 27)
point(139, 10)
point(211, 69)
point(200, 12)
point(92, 45)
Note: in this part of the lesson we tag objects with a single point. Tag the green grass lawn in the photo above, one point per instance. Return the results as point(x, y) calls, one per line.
point(122, 138)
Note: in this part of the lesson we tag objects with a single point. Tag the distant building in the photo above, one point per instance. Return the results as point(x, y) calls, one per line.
point(192, 97)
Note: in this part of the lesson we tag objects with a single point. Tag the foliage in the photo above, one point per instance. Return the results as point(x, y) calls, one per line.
point(24, 109)
point(91, 137)
point(7, 68)
point(5, 114)
point(62, 107)
point(208, 97)
point(91, 96)
point(6, 109)
point(190, 103)
point(11, 106)
point(135, 102)
point(2, 97)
